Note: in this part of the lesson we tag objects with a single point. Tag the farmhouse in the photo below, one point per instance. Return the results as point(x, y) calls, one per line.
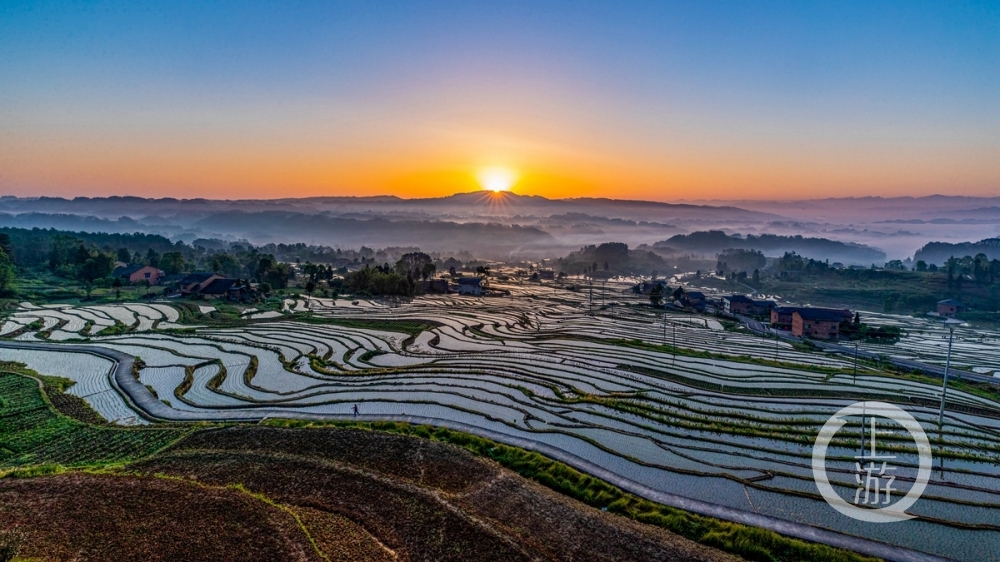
point(470, 286)
point(219, 288)
point(737, 304)
point(137, 273)
point(195, 282)
point(782, 316)
point(693, 299)
point(647, 287)
point(761, 307)
point(950, 308)
point(819, 323)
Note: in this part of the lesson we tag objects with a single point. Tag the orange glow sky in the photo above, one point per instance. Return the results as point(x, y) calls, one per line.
point(663, 104)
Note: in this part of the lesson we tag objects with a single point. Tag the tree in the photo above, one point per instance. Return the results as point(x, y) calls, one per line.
point(756, 278)
point(274, 273)
point(310, 270)
point(225, 264)
point(117, 284)
point(6, 245)
point(152, 257)
point(889, 303)
point(310, 287)
point(7, 274)
point(428, 271)
point(981, 268)
point(264, 288)
point(96, 267)
point(678, 293)
point(172, 263)
point(124, 255)
point(921, 266)
point(412, 264)
point(736, 259)
point(656, 295)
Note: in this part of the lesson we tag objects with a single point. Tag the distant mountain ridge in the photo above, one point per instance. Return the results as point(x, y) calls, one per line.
point(873, 208)
point(715, 241)
point(939, 252)
point(479, 203)
point(377, 232)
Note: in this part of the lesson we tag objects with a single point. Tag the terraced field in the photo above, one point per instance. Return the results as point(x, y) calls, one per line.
point(723, 417)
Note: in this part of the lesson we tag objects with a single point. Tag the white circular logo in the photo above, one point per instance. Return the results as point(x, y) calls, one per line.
point(877, 471)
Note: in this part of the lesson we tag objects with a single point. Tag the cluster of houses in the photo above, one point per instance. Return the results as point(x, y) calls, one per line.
point(206, 284)
point(472, 286)
point(801, 321)
point(807, 321)
point(215, 286)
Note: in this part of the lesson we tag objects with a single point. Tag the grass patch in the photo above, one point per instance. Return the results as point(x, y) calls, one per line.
point(370, 354)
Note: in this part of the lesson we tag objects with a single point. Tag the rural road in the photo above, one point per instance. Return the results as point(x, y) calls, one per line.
point(139, 397)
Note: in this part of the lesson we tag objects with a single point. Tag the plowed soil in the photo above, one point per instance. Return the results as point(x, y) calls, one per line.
point(259, 493)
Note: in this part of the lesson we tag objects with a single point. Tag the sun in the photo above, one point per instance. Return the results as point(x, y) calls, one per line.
point(496, 179)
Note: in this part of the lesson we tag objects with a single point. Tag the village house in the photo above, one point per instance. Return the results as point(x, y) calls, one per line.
point(546, 274)
point(470, 286)
point(782, 316)
point(737, 304)
point(950, 308)
point(693, 299)
point(242, 291)
point(647, 287)
point(761, 307)
point(137, 273)
point(218, 288)
point(193, 283)
point(819, 323)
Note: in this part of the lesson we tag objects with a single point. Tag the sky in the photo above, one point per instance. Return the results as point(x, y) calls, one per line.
point(626, 99)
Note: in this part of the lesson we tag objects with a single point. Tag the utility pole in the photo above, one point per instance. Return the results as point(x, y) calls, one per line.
point(863, 410)
point(664, 340)
point(947, 366)
point(674, 326)
point(855, 363)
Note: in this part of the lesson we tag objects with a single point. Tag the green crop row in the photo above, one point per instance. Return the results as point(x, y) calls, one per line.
point(32, 432)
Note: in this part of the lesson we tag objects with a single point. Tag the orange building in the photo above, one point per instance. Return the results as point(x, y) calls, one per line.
point(819, 323)
point(137, 273)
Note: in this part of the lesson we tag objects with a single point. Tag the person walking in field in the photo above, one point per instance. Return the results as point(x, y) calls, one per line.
point(355, 410)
